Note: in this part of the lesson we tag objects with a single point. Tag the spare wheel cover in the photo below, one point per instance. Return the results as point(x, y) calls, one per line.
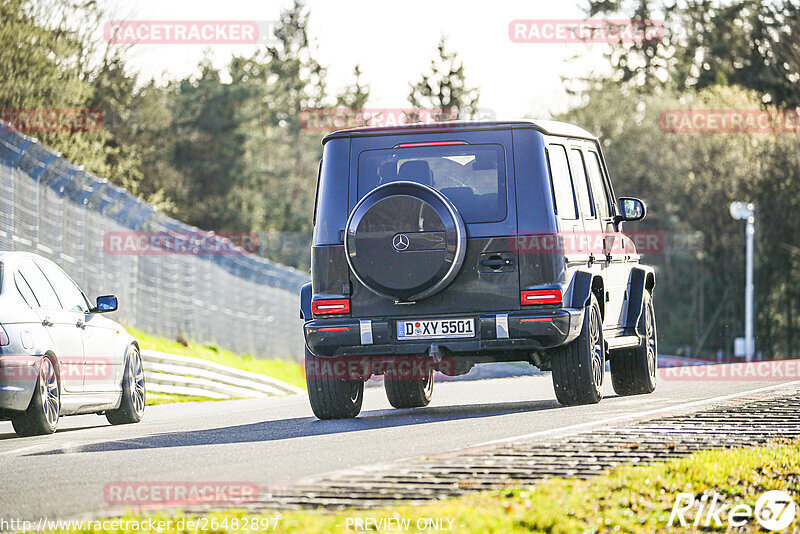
point(405, 241)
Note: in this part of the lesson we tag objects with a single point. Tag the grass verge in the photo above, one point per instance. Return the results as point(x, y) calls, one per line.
point(286, 370)
point(154, 399)
point(627, 499)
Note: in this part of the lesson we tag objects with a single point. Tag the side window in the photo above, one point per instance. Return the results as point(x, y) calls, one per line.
point(561, 183)
point(598, 186)
point(25, 290)
point(41, 288)
point(581, 183)
point(71, 297)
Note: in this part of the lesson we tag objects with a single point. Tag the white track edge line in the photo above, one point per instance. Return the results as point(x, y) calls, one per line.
point(627, 417)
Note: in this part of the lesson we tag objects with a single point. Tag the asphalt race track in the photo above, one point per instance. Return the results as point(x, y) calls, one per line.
point(277, 441)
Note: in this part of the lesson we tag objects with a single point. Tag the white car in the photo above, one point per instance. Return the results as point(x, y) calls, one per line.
point(58, 354)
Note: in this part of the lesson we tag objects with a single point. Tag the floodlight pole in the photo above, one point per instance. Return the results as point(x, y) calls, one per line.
point(744, 211)
point(750, 231)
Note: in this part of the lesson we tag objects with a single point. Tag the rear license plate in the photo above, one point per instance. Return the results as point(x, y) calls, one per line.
point(435, 328)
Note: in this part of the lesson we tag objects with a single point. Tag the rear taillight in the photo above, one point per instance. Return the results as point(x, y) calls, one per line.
point(540, 296)
point(330, 307)
point(3, 337)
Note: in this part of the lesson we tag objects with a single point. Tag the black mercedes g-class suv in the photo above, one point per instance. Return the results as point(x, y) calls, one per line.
point(440, 246)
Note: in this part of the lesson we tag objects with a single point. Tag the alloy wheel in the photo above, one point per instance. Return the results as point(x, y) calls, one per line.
point(596, 343)
point(136, 381)
point(650, 339)
point(48, 390)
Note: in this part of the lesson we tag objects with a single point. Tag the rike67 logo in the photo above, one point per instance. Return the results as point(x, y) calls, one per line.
point(774, 511)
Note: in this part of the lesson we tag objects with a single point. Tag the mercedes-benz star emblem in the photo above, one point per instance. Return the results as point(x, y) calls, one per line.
point(400, 242)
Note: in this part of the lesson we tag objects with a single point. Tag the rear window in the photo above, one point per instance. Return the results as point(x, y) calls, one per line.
point(471, 176)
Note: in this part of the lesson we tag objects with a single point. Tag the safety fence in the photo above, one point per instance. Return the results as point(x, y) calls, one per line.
point(239, 301)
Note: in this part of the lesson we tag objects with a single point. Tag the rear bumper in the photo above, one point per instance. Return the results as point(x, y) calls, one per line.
point(18, 377)
point(525, 330)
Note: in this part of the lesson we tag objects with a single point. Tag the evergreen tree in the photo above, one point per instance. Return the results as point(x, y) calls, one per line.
point(279, 83)
point(749, 43)
point(355, 95)
point(51, 64)
point(209, 148)
point(443, 87)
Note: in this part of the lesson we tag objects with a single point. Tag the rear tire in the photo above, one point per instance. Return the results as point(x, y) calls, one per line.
point(409, 392)
point(633, 371)
point(131, 407)
point(331, 396)
point(579, 368)
point(44, 411)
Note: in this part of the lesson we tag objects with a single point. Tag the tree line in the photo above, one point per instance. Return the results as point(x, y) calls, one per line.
point(715, 55)
point(225, 149)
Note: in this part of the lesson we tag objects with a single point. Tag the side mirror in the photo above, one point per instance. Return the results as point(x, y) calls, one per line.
point(106, 304)
point(631, 209)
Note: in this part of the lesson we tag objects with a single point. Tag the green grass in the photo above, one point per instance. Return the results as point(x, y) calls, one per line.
point(627, 499)
point(287, 370)
point(154, 399)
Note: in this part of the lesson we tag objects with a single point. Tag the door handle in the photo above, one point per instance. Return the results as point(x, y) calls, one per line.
point(81, 325)
point(47, 322)
point(496, 263)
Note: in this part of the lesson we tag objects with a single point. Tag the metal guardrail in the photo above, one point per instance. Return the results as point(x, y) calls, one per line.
point(170, 373)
